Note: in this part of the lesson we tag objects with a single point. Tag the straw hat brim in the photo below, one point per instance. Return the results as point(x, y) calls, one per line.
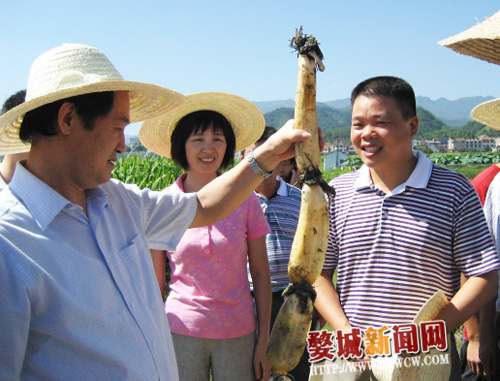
point(246, 119)
point(481, 41)
point(146, 101)
point(386, 369)
point(488, 113)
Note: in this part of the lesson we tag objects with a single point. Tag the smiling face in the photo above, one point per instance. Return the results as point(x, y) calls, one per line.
point(380, 134)
point(205, 150)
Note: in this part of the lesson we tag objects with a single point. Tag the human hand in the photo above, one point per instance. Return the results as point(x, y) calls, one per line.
point(261, 364)
point(279, 146)
point(480, 356)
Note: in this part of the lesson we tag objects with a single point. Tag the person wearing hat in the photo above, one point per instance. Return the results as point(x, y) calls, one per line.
point(209, 306)
point(484, 331)
point(80, 297)
point(480, 349)
point(401, 228)
point(9, 161)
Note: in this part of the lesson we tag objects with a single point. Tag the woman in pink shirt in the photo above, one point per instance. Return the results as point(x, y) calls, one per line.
point(209, 306)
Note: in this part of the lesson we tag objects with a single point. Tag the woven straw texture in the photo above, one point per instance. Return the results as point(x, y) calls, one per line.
point(75, 69)
point(385, 368)
point(488, 113)
point(245, 118)
point(481, 41)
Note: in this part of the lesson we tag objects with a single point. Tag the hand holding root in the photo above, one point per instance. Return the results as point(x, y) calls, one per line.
point(289, 333)
point(280, 146)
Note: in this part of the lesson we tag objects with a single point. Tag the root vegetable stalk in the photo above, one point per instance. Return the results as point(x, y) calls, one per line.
point(289, 333)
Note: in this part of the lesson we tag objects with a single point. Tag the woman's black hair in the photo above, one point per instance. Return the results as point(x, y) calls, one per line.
point(42, 120)
point(199, 122)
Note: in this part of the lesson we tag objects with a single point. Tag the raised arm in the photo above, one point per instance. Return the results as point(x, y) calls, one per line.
point(224, 194)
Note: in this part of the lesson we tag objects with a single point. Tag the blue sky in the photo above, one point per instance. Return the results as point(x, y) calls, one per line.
point(241, 47)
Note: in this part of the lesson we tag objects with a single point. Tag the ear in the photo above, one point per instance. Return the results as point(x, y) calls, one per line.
point(414, 125)
point(66, 118)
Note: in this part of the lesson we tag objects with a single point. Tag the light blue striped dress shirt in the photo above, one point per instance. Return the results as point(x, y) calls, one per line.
point(282, 215)
point(79, 297)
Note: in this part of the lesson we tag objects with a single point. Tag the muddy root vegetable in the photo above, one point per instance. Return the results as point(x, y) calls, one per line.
point(311, 237)
point(289, 334)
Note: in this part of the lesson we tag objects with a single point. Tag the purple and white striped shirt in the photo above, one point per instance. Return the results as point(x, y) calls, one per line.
point(393, 251)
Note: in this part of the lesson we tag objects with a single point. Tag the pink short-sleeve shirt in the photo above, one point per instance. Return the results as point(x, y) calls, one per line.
point(209, 289)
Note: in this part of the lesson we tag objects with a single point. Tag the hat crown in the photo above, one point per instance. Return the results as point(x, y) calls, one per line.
point(67, 67)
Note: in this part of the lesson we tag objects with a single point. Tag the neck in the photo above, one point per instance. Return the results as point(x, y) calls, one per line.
point(387, 180)
point(195, 181)
point(54, 171)
point(269, 186)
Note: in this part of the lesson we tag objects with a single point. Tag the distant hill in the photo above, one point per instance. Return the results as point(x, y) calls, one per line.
point(328, 118)
point(454, 113)
point(336, 123)
point(428, 123)
point(266, 107)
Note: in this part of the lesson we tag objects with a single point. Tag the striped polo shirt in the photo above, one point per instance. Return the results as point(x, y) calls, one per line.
point(393, 251)
point(282, 214)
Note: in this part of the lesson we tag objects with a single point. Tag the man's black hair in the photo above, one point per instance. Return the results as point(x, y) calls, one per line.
point(13, 101)
point(392, 87)
point(42, 120)
point(268, 131)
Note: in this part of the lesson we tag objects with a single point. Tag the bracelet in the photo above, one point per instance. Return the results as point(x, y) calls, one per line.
point(256, 168)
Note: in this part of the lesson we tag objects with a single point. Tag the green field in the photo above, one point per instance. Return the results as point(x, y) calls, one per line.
point(157, 172)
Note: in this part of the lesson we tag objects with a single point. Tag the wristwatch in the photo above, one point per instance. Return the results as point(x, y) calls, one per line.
point(256, 168)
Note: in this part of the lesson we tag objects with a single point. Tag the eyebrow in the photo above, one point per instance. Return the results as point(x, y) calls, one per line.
point(378, 116)
point(124, 119)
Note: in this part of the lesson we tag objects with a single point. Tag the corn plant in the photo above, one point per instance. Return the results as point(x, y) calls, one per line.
point(146, 171)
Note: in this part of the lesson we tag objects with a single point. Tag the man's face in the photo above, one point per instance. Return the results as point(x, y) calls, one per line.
point(96, 150)
point(380, 135)
point(286, 168)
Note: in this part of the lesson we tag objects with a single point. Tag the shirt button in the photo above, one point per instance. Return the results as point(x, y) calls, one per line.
point(132, 305)
point(111, 266)
point(154, 344)
point(385, 215)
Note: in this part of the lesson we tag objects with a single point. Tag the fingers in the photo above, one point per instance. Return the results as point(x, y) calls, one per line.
point(262, 371)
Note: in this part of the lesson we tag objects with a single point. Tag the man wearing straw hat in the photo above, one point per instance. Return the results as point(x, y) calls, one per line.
point(80, 297)
point(481, 349)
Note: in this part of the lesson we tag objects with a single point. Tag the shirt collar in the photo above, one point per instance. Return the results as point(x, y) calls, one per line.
point(283, 189)
point(42, 201)
point(179, 181)
point(419, 178)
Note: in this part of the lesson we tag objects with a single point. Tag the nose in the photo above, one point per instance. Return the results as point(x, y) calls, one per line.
point(368, 132)
point(121, 147)
point(207, 145)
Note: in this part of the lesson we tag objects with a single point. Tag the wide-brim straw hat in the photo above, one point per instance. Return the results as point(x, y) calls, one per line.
point(481, 41)
point(387, 369)
point(75, 69)
point(246, 119)
point(488, 113)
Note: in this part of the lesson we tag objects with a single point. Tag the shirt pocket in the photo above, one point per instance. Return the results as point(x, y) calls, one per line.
point(137, 264)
